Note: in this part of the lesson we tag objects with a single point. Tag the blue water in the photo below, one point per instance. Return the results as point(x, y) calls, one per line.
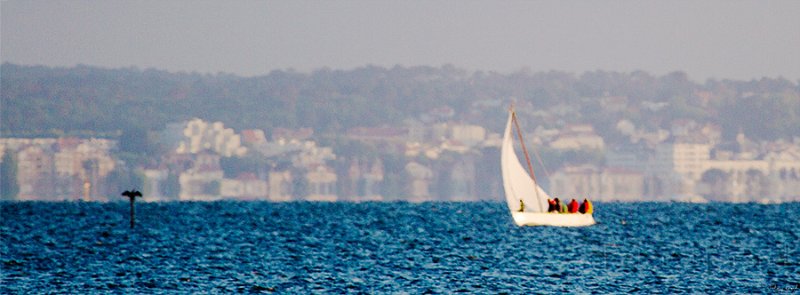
point(233, 247)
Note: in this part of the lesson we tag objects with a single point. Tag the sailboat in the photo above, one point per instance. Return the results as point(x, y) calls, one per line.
point(526, 200)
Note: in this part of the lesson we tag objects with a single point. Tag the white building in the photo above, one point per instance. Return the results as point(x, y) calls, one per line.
point(421, 177)
point(244, 187)
point(575, 182)
point(196, 135)
point(687, 159)
point(587, 181)
point(35, 173)
point(153, 179)
point(470, 135)
point(774, 178)
point(462, 180)
point(321, 184)
point(312, 155)
point(630, 157)
point(576, 137)
point(200, 185)
point(280, 186)
point(365, 180)
point(619, 184)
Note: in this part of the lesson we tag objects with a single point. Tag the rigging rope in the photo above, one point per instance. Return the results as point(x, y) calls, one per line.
point(535, 153)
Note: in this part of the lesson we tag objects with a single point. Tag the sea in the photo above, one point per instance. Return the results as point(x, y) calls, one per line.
point(394, 247)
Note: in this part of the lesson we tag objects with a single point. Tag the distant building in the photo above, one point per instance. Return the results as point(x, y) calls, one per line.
point(153, 180)
point(200, 185)
point(310, 155)
point(470, 135)
point(771, 179)
point(462, 180)
point(67, 168)
point(683, 127)
point(686, 159)
point(280, 186)
point(291, 134)
point(203, 181)
point(620, 184)
point(81, 166)
point(575, 182)
point(253, 137)
point(633, 157)
point(576, 137)
point(35, 173)
point(365, 180)
point(453, 146)
point(421, 177)
point(675, 169)
point(245, 187)
point(378, 134)
point(321, 184)
point(196, 135)
point(593, 183)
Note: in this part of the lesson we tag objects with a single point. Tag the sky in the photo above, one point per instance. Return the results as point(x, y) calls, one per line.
point(712, 39)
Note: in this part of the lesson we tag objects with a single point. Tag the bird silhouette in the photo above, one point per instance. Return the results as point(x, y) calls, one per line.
point(132, 194)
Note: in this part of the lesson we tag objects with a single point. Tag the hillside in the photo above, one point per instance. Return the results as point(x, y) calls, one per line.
point(82, 100)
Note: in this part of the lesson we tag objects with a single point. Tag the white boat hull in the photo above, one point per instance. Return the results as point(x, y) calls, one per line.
point(552, 219)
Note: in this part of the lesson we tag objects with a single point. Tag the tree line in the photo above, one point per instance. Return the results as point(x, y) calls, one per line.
point(84, 100)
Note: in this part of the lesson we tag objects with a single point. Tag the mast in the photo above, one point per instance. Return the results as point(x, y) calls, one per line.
point(527, 159)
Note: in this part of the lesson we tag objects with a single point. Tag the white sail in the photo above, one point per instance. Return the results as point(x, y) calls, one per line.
point(519, 185)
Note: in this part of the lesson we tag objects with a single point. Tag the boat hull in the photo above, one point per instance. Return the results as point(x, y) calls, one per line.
point(552, 219)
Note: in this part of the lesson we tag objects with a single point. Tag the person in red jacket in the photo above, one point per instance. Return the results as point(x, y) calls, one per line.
point(573, 206)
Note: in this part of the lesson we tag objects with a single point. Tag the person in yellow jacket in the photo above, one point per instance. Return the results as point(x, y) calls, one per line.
point(586, 207)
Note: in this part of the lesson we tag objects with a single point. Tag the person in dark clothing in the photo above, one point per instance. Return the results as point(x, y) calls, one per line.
point(587, 207)
point(556, 205)
point(551, 206)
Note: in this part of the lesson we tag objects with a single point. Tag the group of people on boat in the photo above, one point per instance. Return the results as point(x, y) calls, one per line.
point(556, 206)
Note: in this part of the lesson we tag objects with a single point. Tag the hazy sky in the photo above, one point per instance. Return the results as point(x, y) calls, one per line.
point(706, 39)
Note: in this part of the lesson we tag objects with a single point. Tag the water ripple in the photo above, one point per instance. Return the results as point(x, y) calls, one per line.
point(255, 247)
